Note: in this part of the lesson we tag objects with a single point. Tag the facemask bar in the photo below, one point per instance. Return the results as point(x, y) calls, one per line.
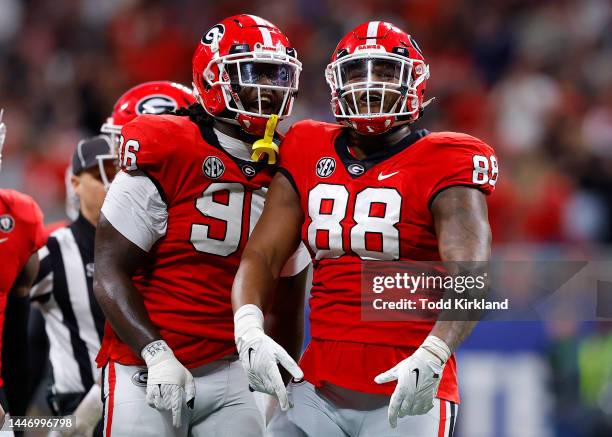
point(276, 57)
point(112, 156)
point(113, 132)
point(344, 95)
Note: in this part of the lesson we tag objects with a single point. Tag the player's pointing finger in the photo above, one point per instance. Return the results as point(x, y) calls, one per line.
point(289, 364)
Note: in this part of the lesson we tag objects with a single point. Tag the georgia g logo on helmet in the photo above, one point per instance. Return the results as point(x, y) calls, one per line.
point(214, 34)
point(156, 104)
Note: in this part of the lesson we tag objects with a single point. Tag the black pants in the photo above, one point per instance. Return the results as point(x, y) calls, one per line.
point(3, 400)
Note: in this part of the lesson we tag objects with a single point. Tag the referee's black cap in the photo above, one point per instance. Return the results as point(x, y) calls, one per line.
point(88, 152)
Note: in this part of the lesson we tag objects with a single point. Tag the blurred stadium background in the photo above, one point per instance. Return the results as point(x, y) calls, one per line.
point(532, 78)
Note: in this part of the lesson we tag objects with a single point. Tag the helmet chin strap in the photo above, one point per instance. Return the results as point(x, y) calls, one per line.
point(266, 145)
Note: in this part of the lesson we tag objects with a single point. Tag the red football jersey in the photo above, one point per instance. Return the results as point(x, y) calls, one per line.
point(21, 234)
point(213, 202)
point(372, 209)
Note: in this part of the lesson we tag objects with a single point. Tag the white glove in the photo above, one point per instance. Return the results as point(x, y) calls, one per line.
point(260, 355)
point(169, 383)
point(418, 378)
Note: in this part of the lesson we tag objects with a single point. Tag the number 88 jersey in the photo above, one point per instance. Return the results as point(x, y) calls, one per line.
point(372, 209)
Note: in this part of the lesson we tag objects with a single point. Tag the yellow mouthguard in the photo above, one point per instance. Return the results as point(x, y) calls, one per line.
point(266, 145)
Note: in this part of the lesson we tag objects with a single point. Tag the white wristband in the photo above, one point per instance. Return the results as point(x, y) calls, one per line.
point(155, 352)
point(246, 318)
point(438, 347)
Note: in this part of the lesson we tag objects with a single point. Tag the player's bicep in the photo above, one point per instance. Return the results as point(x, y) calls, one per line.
point(114, 253)
point(277, 233)
point(462, 225)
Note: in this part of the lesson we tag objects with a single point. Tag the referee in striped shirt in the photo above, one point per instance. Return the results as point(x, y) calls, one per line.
point(63, 291)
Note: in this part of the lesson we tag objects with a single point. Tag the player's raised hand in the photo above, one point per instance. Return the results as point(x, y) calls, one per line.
point(418, 378)
point(169, 384)
point(260, 355)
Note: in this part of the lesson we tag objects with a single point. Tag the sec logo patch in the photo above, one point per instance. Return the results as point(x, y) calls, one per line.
point(325, 167)
point(213, 167)
point(7, 223)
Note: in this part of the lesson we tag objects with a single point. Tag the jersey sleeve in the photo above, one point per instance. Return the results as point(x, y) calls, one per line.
point(149, 146)
point(460, 160)
point(135, 208)
point(298, 262)
point(138, 150)
point(39, 234)
point(29, 212)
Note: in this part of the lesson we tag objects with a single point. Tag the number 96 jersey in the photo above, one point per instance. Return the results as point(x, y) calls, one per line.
point(210, 201)
point(377, 208)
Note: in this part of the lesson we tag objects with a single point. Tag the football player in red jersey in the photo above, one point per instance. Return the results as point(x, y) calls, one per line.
point(172, 230)
point(21, 235)
point(367, 189)
point(152, 98)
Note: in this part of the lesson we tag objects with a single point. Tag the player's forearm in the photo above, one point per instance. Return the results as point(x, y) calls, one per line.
point(254, 281)
point(285, 320)
point(116, 260)
point(464, 242)
point(453, 332)
point(124, 309)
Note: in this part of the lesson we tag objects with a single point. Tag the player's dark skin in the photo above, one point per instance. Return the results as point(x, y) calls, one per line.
point(462, 227)
point(271, 100)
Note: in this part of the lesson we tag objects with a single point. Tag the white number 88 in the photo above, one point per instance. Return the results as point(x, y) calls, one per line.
point(480, 175)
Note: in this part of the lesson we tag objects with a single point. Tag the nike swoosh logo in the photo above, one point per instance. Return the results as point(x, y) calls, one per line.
point(250, 352)
point(2, 240)
point(417, 376)
point(382, 177)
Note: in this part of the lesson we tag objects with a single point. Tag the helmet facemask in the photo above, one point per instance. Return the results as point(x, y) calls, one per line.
point(256, 84)
point(107, 175)
point(113, 133)
point(375, 85)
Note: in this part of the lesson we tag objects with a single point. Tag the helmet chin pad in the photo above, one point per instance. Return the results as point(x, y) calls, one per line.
point(252, 125)
point(371, 126)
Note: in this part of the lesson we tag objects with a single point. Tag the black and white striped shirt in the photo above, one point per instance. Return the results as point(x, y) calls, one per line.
point(73, 320)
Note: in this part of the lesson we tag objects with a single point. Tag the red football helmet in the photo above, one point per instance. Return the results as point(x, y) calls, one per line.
point(377, 77)
point(246, 52)
point(147, 98)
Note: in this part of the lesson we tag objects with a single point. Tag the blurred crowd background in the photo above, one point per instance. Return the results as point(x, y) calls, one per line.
point(532, 78)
